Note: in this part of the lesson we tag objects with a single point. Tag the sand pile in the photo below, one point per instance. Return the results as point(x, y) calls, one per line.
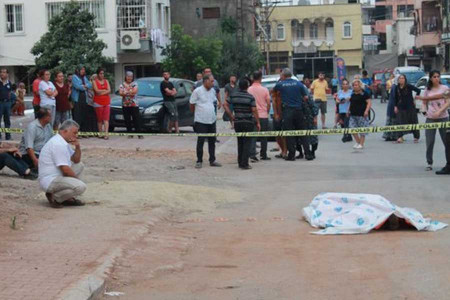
point(155, 194)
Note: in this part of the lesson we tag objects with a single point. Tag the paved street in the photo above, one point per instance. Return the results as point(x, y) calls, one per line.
point(173, 232)
point(262, 249)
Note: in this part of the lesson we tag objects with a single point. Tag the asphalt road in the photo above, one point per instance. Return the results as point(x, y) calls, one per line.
point(262, 249)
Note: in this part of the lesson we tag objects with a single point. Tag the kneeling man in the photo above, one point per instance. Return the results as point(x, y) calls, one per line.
point(60, 167)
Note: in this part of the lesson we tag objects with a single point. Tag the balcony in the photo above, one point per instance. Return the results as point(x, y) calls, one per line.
point(308, 35)
point(135, 31)
point(380, 25)
point(429, 25)
point(428, 39)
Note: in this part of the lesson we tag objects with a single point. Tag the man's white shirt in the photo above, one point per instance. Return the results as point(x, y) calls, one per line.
point(204, 105)
point(56, 153)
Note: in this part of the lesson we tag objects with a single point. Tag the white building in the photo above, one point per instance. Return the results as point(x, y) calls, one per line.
point(134, 30)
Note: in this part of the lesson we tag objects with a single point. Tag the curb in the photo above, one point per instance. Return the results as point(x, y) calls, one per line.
point(92, 285)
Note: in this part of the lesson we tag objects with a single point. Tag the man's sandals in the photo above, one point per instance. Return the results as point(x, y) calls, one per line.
point(70, 202)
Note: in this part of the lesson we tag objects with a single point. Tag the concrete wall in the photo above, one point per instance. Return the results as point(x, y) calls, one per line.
point(184, 13)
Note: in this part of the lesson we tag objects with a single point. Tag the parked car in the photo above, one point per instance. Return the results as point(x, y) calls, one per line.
point(151, 107)
point(422, 84)
point(413, 74)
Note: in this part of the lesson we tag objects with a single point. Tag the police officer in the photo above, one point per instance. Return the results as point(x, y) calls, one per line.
point(293, 97)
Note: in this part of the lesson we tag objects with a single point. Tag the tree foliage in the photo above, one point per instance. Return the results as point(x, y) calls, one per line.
point(224, 53)
point(239, 56)
point(186, 56)
point(71, 41)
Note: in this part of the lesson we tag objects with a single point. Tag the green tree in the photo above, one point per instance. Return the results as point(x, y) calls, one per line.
point(186, 56)
point(239, 56)
point(71, 41)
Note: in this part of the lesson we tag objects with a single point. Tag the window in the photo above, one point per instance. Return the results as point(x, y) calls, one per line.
point(160, 16)
point(404, 11)
point(278, 61)
point(300, 31)
point(95, 7)
point(383, 12)
point(280, 32)
point(269, 32)
point(14, 18)
point(347, 30)
point(189, 87)
point(211, 13)
point(329, 31)
point(313, 31)
point(166, 19)
point(131, 16)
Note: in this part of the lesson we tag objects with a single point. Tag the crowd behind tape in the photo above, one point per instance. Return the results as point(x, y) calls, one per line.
point(338, 131)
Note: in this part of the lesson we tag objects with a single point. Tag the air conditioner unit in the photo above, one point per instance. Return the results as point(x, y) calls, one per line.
point(440, 50)
point(129, 40)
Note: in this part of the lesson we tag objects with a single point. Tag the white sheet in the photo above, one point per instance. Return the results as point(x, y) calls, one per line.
point(340, 213)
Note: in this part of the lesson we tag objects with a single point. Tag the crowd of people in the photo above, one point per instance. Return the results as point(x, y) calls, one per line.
point(75, 96)
point(76, 102)
point(296, 106)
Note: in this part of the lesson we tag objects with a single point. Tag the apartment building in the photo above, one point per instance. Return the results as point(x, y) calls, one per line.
point(309, 37)
point(134, 30)
point(428, 32)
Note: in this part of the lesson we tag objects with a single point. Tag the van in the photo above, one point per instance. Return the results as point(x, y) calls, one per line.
point(413, 74)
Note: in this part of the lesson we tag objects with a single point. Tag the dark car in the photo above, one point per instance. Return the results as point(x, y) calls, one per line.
point(153, 113)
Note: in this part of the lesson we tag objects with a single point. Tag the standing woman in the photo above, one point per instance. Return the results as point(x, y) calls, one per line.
point(130, 106)
point(343, 102)
point(36, 96)
point(47, 93)
point(405, 108)
point(435, 113)
point(102, 102)
point(360, 103)
point(80, 86)
point(390, 114)
point(62, 100)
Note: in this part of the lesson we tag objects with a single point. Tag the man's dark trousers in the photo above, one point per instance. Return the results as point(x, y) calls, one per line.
point(5, 114)
point(293, 120)
point(264, 127)
point(206, 128)
point(14, 163)
point(244, 143)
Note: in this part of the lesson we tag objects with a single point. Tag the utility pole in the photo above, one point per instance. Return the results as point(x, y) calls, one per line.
point(240, 32)
point(262, 21)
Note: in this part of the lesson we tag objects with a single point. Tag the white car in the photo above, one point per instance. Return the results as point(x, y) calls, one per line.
point(401, 70)
point(422, 84)
point(269, 81)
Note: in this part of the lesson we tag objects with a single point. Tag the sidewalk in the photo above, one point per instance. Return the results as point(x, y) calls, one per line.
point(57, 257)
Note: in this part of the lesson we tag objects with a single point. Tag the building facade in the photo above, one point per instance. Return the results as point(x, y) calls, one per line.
point(134, 30)
point(404, 42)
point(308, 38)
point(378, 19)
point(428, 31)
point(445, 37)
point(202, 18)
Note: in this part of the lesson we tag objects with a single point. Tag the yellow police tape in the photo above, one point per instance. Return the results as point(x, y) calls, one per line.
point(375, 129)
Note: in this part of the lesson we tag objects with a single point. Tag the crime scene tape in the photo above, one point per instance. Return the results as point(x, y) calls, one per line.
point(286, 133)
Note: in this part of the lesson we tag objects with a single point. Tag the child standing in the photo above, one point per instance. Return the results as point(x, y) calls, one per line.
point(19, 105)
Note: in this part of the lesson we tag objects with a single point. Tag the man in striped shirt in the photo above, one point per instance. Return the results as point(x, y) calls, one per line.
point(245, 117)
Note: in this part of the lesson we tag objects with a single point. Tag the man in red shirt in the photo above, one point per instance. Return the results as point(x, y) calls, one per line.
point(262, 97)
point(36, 97)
